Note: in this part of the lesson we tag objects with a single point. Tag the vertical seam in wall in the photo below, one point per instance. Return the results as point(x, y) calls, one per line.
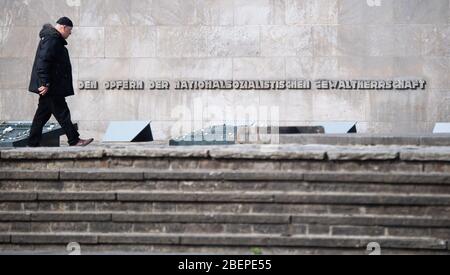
point(79, 27)
point(260, 30)
point(313, 39)
point(156, 42)
point(234, 30)
point(338, 3)
point(104, 41)
point(77, 59)
point(234, 13)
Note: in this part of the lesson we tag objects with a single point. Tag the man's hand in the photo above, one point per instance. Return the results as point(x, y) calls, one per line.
point(43, 90)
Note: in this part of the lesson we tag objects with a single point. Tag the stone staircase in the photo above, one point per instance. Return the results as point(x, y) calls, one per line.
point(243, 199)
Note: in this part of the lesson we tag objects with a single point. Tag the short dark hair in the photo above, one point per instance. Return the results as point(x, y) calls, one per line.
point(65, 22)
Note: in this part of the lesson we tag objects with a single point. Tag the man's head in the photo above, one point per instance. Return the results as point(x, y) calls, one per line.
point(64, 26)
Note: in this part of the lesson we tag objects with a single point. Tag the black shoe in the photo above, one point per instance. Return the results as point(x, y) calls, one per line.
point(84, 142)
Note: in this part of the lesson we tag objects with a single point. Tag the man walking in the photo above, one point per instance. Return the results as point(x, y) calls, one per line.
point(51, 78)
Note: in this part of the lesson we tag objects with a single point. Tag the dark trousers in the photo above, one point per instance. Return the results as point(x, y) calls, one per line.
point(57, 107)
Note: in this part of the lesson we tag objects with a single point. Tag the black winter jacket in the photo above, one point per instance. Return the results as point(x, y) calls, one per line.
point(52, 66)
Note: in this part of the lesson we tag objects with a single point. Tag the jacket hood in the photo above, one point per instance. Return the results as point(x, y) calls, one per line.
point(49, 31)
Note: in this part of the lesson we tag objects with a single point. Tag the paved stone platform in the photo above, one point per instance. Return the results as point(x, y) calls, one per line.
point(245, 151)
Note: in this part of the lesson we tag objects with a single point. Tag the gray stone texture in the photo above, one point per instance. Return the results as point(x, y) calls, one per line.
point(237, 39)
point(304, 196)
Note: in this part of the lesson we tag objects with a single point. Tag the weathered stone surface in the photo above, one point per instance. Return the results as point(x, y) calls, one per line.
point(12, 74)
point(195, 197)
point(141, 42)
point(258, 68)
point(233, 41)
point(110, 227)
point(14, 110)
point(18, 196)
point(268, 152)
point(222, 175)
point(252, 12)
point(76, 196)
point(53, 238)
point(362, 199)
point(66, 227)
point(363, 154)
point(394, 178)
point(215, 12)
point(126, 249)
point(275, 152)
point(104, 13)
point(286, 41)
point(438, 233)
point(323, 12)
point(262, 240)
point(53, 153)
point(100, 69)
point(255, 39)
point(174, 12)
point(371, 220)
point(182, 41)
point(29, 175)
point(357, 231)
point(99, 174)
point(70, 217)
point(18, 42)
point(436, 140)
point(138, 239)
point(202, 218)
point(18, 216)
point(5, 239)
point(279, 229)
point(420, 12)
point(360, 12)
point(417, 244)
point(354, 139)
point(426, 154)
point(184, 175)
point(11, 12)
point(179, 68)
point(263, 176)
point(87, 42)
point(293, 200)
point(318, 229)
point(325, 43)
point(158, 152)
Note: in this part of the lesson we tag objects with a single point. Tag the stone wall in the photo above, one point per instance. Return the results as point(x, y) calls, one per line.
point(237, 39)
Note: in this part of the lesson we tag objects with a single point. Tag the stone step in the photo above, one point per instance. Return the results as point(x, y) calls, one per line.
point(158, 227)
point(328, 198)
point(220, 175)
point(283, 197)
point(217, 186)
point(189, 250)
point(140, 218)
point(88, 180)
point(373, 220)
point(282, 157)
point(254, 152)
point(230, 207)
point(293, 224)
point(168, 217)
point(228, 240)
